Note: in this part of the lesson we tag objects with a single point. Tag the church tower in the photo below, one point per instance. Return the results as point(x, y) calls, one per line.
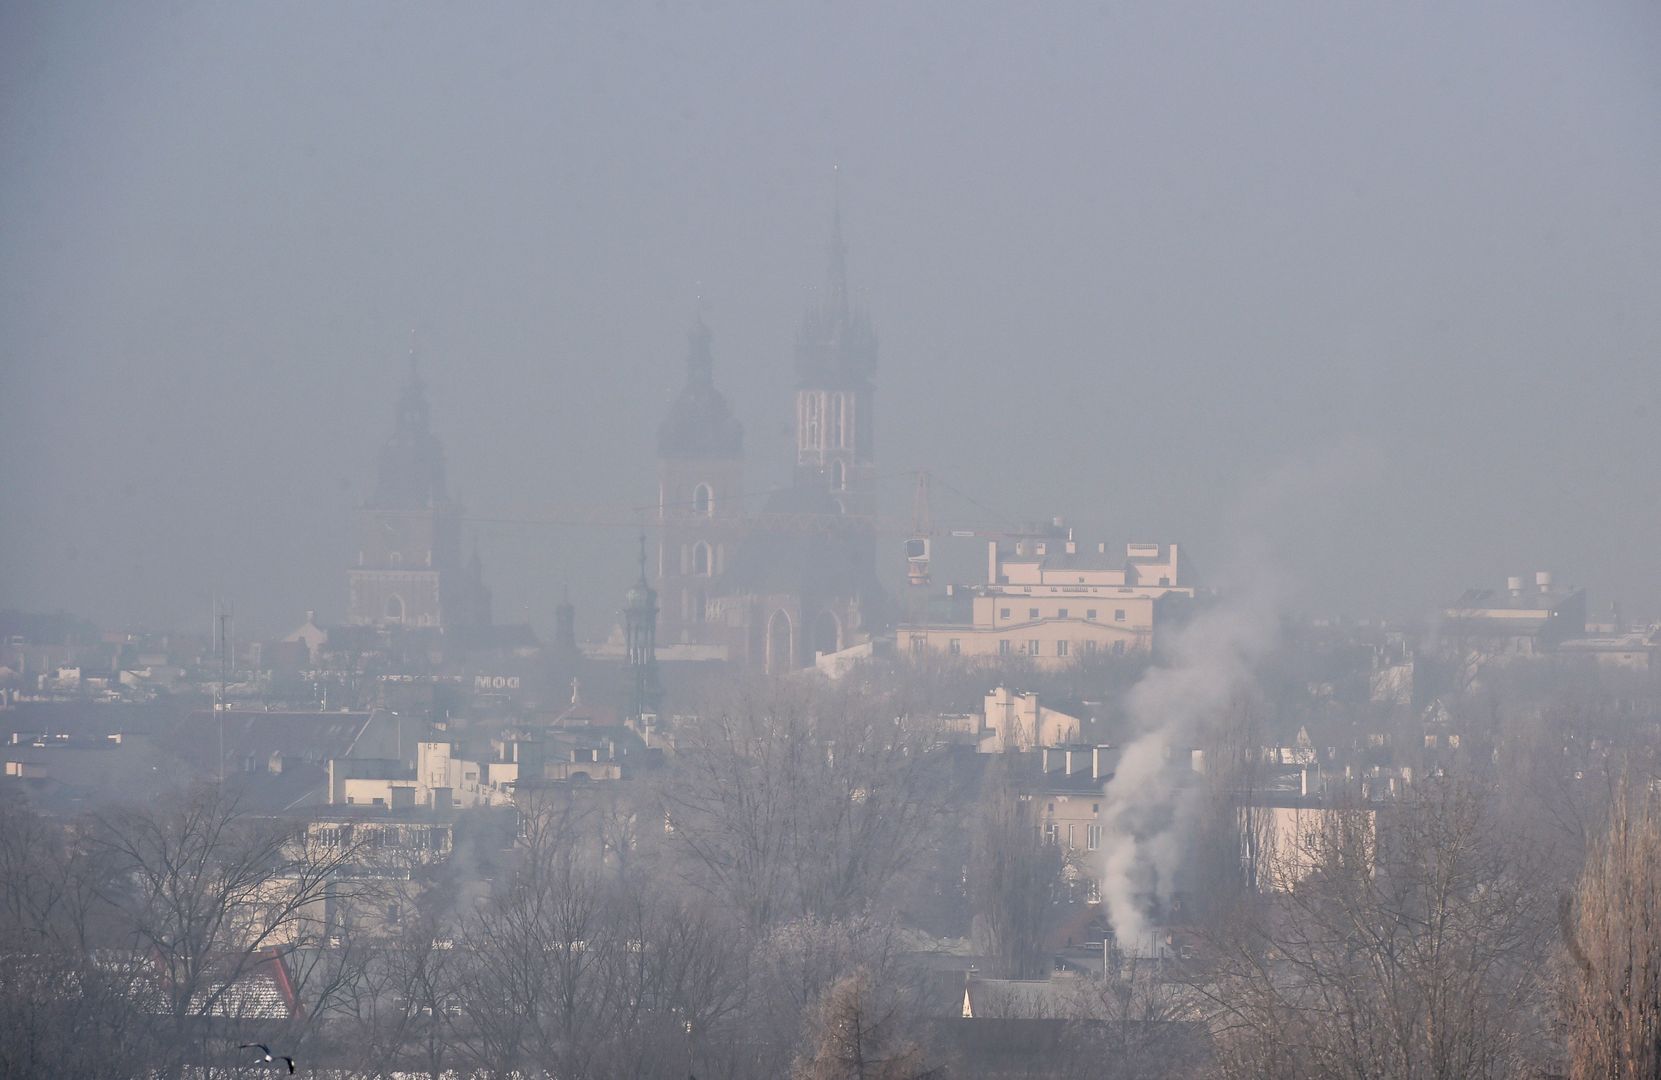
point(700, 489)
point(409, 569)
point(836, 360)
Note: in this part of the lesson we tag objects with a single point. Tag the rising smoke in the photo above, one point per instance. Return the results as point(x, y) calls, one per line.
point(1204, 667)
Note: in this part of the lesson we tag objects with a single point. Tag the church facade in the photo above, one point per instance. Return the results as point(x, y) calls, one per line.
point(772, 586)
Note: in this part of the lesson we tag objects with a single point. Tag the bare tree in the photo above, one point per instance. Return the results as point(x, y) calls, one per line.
point(791, 799)
point(208, 894)
point(530, 947)
point(62, 1014)
point(1012, 877)
point(1612, 938)
point(860, 1032)
point(1409, 951)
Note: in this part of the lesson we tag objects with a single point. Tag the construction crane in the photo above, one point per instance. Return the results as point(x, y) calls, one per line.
point(922, 532)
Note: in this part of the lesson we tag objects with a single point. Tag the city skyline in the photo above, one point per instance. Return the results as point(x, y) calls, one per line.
point(1235, 268)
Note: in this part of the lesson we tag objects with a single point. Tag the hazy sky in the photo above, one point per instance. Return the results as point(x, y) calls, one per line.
point(1123, 259)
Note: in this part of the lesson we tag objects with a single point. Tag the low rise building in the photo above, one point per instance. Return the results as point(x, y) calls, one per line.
point(1046, 600)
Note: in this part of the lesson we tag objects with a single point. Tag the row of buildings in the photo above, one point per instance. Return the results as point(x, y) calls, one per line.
point(770, 584)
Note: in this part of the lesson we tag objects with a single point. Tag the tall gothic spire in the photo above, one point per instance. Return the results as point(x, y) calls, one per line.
point(411, 473)
point(836, 345)
point(836, 285)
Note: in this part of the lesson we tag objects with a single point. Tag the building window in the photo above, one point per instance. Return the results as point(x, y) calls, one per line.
point(395, 608)
point(1032, 647)
point(1003, 648)
point(1118, 648)
point(1092, 837)
point(1090, 646)
point(1061, 648)
point(839, 476)
point(1070, 844)
point(955, 646)
point(1091, 614)
point(1003, 613)
point(703, 501)
point(1061, 614)
point(1164, 581)
point(1119, 615)
point(1032, 613)
point(919, 642)
point(397, 558)
point(700, 559)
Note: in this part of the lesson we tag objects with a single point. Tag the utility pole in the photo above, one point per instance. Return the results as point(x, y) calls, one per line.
point(224, 673)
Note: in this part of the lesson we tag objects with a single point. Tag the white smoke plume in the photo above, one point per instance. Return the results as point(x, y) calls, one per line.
point(1204, 667)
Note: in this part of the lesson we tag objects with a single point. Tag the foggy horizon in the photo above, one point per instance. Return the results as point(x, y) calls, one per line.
point(1124, 263)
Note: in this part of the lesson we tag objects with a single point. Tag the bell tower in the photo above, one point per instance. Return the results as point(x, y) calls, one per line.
point(700, 493)
point(408, 568)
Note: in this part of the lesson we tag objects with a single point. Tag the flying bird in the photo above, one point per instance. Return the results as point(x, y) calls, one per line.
point(268, 1056)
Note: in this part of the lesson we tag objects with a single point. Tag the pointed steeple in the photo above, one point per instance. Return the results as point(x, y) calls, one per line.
point(641, 597)
point(412, 462)
point(836, 282)
point(640, 634)
point(700, 423)
point(836, 345)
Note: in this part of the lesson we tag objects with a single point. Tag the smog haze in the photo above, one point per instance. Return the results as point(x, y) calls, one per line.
point(1123, 260)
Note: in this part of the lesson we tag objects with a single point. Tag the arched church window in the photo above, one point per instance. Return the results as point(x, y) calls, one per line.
point(703, 501)
point(812, 432)
point(700, 558)
point(781, 653)
point(837, 431)
point(395, 608)
point(700, 607)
